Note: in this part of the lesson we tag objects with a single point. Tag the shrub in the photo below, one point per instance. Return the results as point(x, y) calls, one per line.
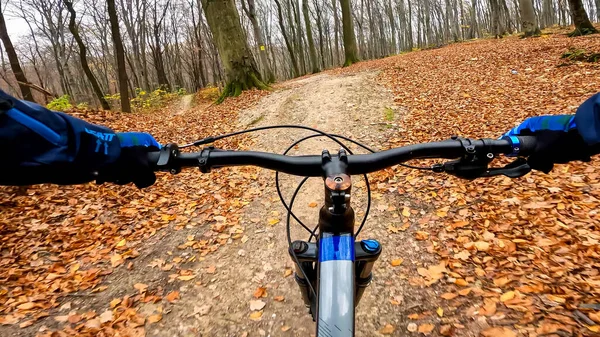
point(61, 103)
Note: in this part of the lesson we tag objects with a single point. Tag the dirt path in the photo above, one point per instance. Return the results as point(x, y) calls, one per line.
point(351, 105)
point(217, 301)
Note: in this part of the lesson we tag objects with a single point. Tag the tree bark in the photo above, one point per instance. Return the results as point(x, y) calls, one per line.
point(120, 54)
point(311, 43)
point(528, 21)
point(14, 60)
point(286, 38)
point(336, 28)
point(582, 23)
point(250, 10)
point(83, 57)
point(350, 49)
point(240, 68)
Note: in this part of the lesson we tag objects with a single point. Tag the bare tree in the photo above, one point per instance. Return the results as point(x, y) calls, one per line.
point(240, 67)
point(311, 43)
point(582, 23)
point(83, 57)
point(120, 55)
point(14, 59)
point(350, 49)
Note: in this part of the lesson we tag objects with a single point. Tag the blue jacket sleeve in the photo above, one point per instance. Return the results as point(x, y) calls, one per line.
point(43, 146)
point(587, 119)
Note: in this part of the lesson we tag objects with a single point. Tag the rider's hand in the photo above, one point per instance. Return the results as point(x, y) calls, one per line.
point(563, 138)
point(132, 164)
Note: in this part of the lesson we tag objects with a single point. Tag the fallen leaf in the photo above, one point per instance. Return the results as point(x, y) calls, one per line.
point(396, 262)
point(498, 332)
point(256, 315)
point(313, 204)
point(257, 305)
point(465, 292)
point(116, 260)
point(421, 236)
point(449, 296)
point(172, 296)
point(260, 292)
point(106, 316)
point(446, 330)
point(279, 298)
point(501, 282)
point(211, 269)
point(461, 282)
point(93, 323)
point(273, 222)
point(154, 318)
point(26, 306)
point(285, 328)
point(186, 277)
point(414, 316)
point(440, 312)
point(388, 329)
point(141, 287)
point(556, 299)
point(426, 328)
point(287, 273)
point(406, 212)
point(482, 246)
point(25, 324)
point(507, 296)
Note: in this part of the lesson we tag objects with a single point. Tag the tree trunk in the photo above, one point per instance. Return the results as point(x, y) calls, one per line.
point(286, 38)
point(582, 23)
point(240, 68)
point(528, 21)
point(14, 60)
point(350, 49)
point(597, 10)
point(311, 43)
point(336, 27)
point(120, 54)
point(83, 57)
point(262, 49)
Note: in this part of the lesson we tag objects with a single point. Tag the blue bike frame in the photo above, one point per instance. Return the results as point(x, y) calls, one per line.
point(336, 288)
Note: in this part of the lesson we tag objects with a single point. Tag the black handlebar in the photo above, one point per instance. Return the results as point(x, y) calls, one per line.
point(475, 153)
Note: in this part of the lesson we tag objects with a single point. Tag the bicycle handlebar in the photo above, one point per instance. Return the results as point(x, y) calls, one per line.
point(170, 159)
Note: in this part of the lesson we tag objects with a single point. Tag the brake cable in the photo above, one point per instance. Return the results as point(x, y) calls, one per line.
point(290, 214)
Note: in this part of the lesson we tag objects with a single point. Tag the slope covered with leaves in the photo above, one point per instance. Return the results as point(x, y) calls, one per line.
point(517, 255)
point(55, 241)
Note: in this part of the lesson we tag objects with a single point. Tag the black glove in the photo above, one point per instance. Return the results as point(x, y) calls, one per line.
point(132, 164)
point(558, 141)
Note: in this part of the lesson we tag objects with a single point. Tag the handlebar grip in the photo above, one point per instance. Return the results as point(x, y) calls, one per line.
point(528, 145)
point(153, 158)
point(521, 145)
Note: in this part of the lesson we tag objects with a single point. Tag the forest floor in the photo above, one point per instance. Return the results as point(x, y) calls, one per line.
point(206, 255)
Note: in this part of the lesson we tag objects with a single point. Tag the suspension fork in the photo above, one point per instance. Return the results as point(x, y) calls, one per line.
point(336, 228)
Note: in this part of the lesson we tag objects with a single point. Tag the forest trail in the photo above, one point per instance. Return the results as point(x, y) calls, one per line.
point(352, 105)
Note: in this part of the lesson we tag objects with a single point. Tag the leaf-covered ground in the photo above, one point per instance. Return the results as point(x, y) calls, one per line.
point(523, 253)
point(515, 257)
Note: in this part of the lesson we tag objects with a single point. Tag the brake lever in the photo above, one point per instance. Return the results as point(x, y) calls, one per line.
point(516, 169)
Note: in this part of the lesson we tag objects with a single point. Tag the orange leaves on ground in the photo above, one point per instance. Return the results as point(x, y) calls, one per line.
point(388, 329)
point(154, 318)
point(260, 292)
point(449, 296)
point(172, 296)
point(256, 315)
point(505, 234)
point(498, 332)
point(396, 262)
point(421, 236)
point(433, 273)
point(68, 238)
point(426, 328)
point(313, 204)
